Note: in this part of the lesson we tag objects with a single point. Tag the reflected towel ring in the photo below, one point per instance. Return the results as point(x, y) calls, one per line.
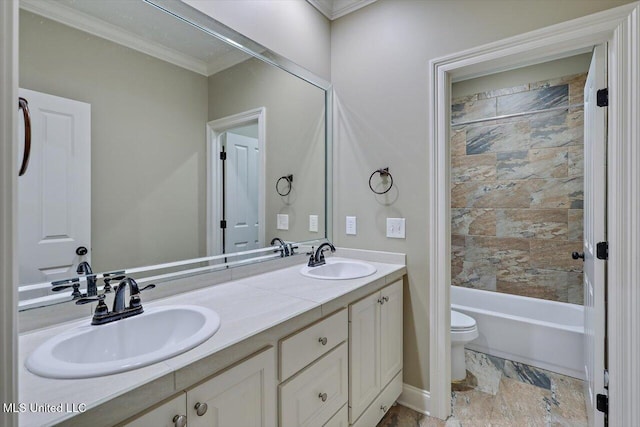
point(289, 180)
point(384, 172)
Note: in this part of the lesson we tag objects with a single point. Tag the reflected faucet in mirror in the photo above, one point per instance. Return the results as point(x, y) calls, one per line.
point(85, 268)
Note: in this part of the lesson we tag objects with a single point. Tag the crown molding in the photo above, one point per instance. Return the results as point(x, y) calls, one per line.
point(92, 25)
point(328, 7)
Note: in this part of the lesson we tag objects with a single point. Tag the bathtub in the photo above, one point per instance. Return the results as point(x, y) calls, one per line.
point(541, 333)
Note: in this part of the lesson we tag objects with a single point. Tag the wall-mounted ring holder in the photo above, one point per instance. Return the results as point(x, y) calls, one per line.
point(384, 173)
point(288, 179)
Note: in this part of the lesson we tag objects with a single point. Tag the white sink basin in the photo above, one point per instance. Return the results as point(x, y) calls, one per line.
point(157, 334)
point(339, 269)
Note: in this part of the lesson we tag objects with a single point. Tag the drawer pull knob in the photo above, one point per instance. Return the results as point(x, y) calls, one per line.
point(385, 299)
point(201, 408)
point(179, 421)
point(322, 340)
point(380, 301)
point(384, 408)
point(323, 397)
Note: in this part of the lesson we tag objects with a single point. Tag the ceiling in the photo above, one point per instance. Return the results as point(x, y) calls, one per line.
point(334, 9)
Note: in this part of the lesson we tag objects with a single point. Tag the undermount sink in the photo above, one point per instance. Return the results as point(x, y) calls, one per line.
point(339, 269)
point(155, 335)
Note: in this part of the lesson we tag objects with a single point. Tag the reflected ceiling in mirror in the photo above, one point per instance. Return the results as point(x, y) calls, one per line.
point(153, 98)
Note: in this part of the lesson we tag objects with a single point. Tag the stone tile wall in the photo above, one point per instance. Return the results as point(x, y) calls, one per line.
point(517, 190)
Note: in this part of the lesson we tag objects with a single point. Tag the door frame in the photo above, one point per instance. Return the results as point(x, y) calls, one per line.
point(8, 209)
point(618, 27)
point(215, 128)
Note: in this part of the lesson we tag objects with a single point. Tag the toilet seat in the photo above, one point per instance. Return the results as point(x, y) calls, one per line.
point(461, 322)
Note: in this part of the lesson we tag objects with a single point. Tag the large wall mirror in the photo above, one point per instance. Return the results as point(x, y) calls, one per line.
point(162, 142)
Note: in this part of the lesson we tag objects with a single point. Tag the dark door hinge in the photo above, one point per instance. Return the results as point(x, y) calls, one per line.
point(602, 97)
point(223, 155)
point(602, 250)
point(223, 224)
point(602, 403)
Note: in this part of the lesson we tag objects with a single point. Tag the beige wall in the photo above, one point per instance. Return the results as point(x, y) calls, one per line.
point(379, 68)
point(148, 141)
point(291, 28)
point(295, 139)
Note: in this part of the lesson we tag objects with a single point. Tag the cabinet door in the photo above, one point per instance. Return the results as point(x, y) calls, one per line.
point(391, 332)
point(162, 415)
point(364, 354)
point(244, 395)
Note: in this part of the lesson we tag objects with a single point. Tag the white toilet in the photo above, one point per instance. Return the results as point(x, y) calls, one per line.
point(463, 330)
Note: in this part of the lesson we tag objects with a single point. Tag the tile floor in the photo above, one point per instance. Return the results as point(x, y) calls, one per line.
point(501, 393)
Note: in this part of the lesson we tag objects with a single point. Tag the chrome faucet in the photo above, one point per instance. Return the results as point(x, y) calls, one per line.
point(284, 248)
point(317, 257)
point(92, 287)
point(120, 311)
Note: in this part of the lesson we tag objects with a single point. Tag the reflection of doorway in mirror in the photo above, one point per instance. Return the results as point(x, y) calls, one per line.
point(240, 189)
point(236, 185)
point(54, 195)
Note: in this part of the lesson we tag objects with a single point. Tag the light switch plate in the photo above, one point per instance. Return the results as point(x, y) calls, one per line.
point(396, 228)
point(351, 225)
point(313, 223)
point(282, 222)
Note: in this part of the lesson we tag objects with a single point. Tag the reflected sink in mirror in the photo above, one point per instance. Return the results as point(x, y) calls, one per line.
point(155, 335)
point(339, 269)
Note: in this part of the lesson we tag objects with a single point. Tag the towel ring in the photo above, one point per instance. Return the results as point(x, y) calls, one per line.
point(289, 180)
point(384, 172)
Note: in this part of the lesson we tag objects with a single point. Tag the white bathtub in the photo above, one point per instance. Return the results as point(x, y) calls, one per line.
point(541, 333)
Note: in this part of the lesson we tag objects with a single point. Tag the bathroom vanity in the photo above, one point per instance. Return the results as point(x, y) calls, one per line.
point(291, 351)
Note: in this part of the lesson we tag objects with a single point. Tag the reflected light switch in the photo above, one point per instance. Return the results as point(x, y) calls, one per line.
point(313, 223)
point(282, 222)
point(351, 225)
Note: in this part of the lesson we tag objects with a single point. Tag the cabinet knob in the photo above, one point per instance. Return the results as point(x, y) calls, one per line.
point(323, 397)
point(201, 408)
point(384, 408)
point(322, 340)
point(385, 299)
point(380, 301)
point(179, 421)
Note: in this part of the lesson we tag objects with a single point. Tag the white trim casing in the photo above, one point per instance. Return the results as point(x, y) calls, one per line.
point(415, 398)
point(8, 208)
point(619, 27)
point(214, 193)
point(623, 228)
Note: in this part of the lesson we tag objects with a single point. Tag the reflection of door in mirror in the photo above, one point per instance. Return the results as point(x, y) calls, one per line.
point(236, 185)
point(54, 196)
point(240, 189)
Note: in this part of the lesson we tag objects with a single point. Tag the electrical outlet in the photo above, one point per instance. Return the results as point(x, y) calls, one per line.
point(282, 222)
point(313, 223)
point(396, 228)
point(351, 225)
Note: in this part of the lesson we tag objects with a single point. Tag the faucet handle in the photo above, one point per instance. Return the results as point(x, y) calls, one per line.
point(60, 285)
point(108, 277)
point(134, 300)
point(101, 308)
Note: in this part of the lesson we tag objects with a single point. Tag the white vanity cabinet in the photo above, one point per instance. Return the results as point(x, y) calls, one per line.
point(243, 395)
point(314, 365)
point(171, 413)
point(375, 353)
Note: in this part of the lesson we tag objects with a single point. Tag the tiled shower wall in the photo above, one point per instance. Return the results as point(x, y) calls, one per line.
point(517, 190)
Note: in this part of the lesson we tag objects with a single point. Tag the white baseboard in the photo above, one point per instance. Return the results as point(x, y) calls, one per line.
point(415, 398)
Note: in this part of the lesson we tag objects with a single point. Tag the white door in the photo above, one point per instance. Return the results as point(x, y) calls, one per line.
point(241, 199)
point(595, 184)
point(54, 195)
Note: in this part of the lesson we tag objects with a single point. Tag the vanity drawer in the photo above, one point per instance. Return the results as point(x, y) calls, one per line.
point(374, 413)
point(313, 396)
point(302, 348)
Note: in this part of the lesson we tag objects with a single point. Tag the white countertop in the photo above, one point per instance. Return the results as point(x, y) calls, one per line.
point(246, 307)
